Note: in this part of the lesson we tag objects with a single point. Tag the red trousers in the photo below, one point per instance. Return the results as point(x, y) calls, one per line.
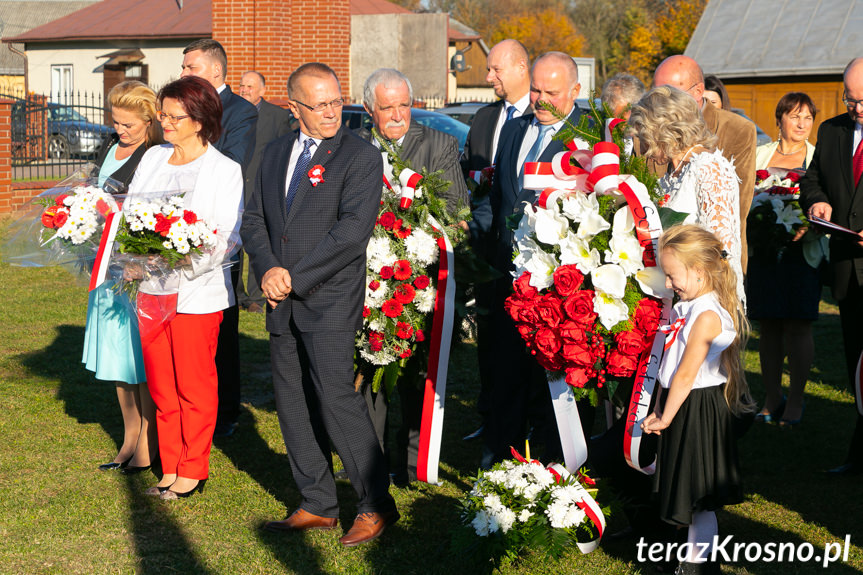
point(179, 358)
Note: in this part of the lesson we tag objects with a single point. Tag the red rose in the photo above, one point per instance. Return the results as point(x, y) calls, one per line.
point(567, 279)
point(48, 216)
point(60, 199)
point(514, 307)
point(163, 224)
point(550, 309)
point(419, 335)
point(526, 332)
point(579, 306)
point(102, 207)
point(646, 317)
point(402, 270)
point(550, 362)
point(522, 287)
point(793, 176)
point(620, 365)
point(60, 218)
point(374, 285)
point(386, 272)
point(762, 175)
point(547, 342)
point(577, 377)
point(392, 308)
point(366, 311)
point(387, 220)
point(422, 282)
point(578, 354)
point(405, 330)
point(189, 217)
point(630, 343)
point(404, 293)
point(572, 331)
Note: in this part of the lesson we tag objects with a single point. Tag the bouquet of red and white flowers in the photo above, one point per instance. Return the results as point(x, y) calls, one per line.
point(76, 217)
point(520, 503)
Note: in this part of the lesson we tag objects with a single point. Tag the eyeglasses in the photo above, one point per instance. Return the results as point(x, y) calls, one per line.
point(337, 103)
point(170, 117)
point(850, 103)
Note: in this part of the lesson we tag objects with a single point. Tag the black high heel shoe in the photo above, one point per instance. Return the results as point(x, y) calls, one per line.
point(170, 495)
point(133, 470)
point(114, 465)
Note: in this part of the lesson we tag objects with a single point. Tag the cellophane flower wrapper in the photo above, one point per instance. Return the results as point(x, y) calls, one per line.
point(63, 226)
point(159, 245)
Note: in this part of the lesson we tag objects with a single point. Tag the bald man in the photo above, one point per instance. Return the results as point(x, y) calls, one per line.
point(519, 379)
point(737, 135)
point(831, 189)
point(508, 66)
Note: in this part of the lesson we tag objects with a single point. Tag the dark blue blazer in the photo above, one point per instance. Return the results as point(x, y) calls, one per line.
point(506, 195)
point(322, 241)
point(239, 117)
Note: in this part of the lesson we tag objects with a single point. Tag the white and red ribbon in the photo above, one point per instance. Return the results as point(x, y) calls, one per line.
point(590, 507)
point(103, 255)
point(858, 385)
point(610, 125)
point(568, 422)
point(410, 181)
point(434, 394)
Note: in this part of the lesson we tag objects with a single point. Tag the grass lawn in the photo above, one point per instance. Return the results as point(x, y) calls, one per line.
point(58, 514)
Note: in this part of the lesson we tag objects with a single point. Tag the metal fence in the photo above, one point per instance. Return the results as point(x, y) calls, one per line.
point(52, 136)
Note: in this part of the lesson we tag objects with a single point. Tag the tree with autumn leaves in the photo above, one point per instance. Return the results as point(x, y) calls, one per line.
point(622, 35)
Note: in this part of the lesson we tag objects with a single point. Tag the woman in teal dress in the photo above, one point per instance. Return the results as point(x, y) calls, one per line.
point(112, 346)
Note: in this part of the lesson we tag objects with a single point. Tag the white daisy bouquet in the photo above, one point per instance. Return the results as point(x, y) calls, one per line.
point(76, 216)
point(401, 268)
point(520, 503)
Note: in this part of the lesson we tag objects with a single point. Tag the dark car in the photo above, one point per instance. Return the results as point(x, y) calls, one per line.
point(355, 117)
point(70, 133)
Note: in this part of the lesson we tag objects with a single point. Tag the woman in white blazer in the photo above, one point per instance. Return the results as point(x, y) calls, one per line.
point(179, 355)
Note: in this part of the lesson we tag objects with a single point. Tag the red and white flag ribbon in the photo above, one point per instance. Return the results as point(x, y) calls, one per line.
point(103, 255)
point(590, 507)
point(434, 394)
point(568, 422)
point(610, 125)
point(410, 181)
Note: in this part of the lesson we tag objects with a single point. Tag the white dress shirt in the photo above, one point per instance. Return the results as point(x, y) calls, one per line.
point(296, 151)
point(520, 107)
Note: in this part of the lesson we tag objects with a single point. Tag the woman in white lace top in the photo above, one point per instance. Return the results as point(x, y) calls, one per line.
point(700, 181)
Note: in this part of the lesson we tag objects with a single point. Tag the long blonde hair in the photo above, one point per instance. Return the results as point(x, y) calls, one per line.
point(697, 248)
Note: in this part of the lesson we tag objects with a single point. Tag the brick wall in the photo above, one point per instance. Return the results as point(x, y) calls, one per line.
point(6, 198)
point(274, 37)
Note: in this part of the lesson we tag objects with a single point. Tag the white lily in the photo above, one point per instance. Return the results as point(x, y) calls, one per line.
point(527, 223)
point(541, 266)
point(610, 279)
point(622, 222)
point(625, 251)
point(611, 310)
point(578, 204)
point(551, 227)
point(576, 251)
point(591, 224)
point(652, 282)
point(786, 214)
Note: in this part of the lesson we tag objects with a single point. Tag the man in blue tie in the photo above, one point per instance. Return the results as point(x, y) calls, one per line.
point(519, 381)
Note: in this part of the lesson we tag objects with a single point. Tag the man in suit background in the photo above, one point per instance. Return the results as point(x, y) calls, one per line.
point(831, 189)
point(508, 67)
point(737, 135)
point(387, 97)
point(307, 242)
point(207, 59)
point(273, 122)
point(553, 79)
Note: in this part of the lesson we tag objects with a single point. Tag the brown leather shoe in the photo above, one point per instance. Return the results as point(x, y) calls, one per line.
point(368, 526)
point(302, 520)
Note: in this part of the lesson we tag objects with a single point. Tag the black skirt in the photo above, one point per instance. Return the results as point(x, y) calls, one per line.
point(697, 467)
point(782, 287)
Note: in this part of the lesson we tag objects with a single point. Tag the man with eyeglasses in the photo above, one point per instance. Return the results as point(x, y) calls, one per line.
point(306, 228)
point(832, 189)
point(737, 135)
point(207, 59)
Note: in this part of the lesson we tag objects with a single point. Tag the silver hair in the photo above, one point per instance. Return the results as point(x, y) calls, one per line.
point(390, 78)
point(622, 89)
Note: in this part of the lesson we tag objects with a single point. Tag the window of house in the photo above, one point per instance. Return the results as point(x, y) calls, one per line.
point(61, 83)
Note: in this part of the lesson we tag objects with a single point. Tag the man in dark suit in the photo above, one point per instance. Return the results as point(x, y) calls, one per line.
point(831, 189)
point(207, 59)
point(306, 239)
point(508, 67)
point(273, 122)
point(388, 97)
point(553, 79)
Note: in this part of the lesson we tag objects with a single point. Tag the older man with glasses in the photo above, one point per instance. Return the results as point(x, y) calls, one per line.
point(831, 190)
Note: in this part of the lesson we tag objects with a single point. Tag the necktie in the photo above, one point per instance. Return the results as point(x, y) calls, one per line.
point(536, 149)
point(299, 171)
point(510, 112)
point(858, 162)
